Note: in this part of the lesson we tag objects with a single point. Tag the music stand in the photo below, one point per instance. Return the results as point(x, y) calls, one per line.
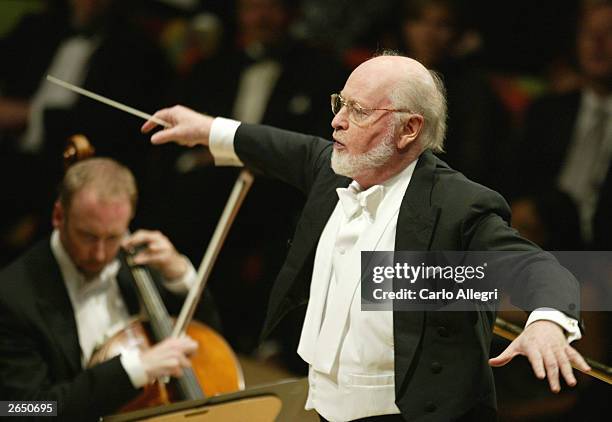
point(278, 402)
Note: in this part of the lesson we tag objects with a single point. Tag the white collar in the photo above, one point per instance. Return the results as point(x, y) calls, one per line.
point(76, 283)
point(388, 193)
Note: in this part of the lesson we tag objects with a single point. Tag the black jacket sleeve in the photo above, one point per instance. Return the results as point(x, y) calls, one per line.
point(27, 372)
point(291, 157)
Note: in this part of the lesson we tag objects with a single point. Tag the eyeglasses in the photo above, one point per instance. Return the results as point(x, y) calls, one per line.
point(356, 113)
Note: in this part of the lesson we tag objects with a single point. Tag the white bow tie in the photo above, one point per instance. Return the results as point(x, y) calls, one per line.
point(354, 202)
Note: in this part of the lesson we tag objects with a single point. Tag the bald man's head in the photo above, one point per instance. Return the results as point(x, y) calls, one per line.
point(409, 85)
point(390, 109)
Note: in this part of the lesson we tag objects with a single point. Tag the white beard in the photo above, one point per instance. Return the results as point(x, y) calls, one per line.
point(351, 165)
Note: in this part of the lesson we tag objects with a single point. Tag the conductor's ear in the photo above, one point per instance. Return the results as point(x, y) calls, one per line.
point(411, 128)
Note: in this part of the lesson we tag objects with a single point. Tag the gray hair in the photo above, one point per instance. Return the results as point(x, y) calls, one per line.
point(427, 97)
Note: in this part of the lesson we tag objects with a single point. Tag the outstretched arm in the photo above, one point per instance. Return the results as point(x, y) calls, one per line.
point(543, 283)
point(291, 157)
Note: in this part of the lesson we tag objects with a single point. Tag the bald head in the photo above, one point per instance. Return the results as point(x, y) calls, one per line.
point(392, 69)
point(407, 84)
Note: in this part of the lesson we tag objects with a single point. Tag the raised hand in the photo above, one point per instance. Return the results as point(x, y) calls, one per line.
point(187, 127)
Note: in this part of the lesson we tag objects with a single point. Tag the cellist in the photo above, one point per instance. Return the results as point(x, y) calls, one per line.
point(69, 292)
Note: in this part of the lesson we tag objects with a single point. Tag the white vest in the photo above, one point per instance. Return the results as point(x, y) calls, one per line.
point(350, 352)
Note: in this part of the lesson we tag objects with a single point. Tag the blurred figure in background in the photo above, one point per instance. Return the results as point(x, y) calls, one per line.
point(269, 77)
point(355, 29)
point(548, 219)
point(90, 43)
point(568, 138)
point(27, 50)
point(433, 32)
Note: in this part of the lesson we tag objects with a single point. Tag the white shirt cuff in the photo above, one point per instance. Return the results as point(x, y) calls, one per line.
point(221, 142)
point(570, 325)
point(130, 359)
point(182, 284)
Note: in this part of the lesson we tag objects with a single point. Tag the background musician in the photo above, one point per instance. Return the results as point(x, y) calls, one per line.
point(69, 292)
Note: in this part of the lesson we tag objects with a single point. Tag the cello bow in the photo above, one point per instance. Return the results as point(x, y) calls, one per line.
point(241, 188)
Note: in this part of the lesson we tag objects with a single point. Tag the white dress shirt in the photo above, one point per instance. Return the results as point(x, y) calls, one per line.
point(342, 365)
point(99, 309)
point(350, 378)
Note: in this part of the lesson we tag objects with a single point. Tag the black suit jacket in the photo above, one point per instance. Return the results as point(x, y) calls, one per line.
point(40, 356)
point(441, 368)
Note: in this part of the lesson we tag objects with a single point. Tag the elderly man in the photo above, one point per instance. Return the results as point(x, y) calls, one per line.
point(398, 366)
point(68, 294)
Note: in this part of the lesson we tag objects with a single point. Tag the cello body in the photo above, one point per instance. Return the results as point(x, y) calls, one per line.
point(214, 364)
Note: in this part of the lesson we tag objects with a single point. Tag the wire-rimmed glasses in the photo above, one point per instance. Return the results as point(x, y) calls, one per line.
point(356, 113)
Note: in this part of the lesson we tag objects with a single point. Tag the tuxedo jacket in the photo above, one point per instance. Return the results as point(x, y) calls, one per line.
point(441, 358)
point(40, 356)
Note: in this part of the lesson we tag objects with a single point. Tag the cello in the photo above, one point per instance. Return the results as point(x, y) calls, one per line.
point(214, 367)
